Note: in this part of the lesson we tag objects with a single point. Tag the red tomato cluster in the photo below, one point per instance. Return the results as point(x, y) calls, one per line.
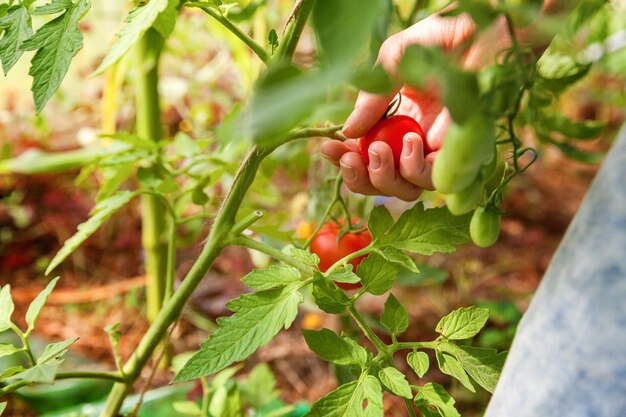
point(329, 250)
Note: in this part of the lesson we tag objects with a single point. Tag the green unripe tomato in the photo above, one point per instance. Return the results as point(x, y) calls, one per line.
point(484, 227)
point(465, 149)
point(465, 200)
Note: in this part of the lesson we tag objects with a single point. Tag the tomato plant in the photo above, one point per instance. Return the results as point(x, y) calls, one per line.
point(391, 130)
point(332, 245)
point(290, 102)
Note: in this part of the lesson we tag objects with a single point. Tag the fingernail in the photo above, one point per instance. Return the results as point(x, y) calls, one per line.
point(374, 159)
point(349, 121)
point(407, 147)
point(348, 171)
point(328, 157)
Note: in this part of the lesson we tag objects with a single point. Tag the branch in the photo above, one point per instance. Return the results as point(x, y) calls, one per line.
point(217, 15)
point(294, 28)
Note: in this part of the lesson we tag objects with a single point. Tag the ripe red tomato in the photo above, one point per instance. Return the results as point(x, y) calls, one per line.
point(391, 130)
point(324, 245)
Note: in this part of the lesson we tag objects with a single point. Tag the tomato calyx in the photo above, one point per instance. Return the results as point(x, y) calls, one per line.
point(393, 107)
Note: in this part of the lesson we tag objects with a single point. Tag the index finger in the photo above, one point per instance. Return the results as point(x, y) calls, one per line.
point(368, 110)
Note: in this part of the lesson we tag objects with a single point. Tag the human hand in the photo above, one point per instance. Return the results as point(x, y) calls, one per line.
point(414, 172)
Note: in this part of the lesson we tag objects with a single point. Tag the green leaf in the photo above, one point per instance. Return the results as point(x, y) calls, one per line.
point(166, 20)
point(226, 402)
point(379, 221)
point(6, 308)
point(9, 372)
point(17, 27)
point(304, 256)
point(187, 407)
point(230, 129)
point(427, 231)
point(332, 348)
point(139, 20)
point(483, 365)
point(395, 382)
point(7, 350)
point(344, 275)
point(43, 373)
point(558, 71)
point(576, 154)
point(35, 307)
point(56, 43)
point(272, 40)
point(397, 257)
point(434, 396)
point(260, 387)
point(100, 213)
point(55, 350)
point(460, 94)
point(376, 274)
point(256, 320)
point(419, 362)
point(463, 323)
point(264, 279)
point(348, 400)
point(343, 28)
point(450, 366)
point(328, 296)
point(569, 128)
point(3, 406)
point(394, 317)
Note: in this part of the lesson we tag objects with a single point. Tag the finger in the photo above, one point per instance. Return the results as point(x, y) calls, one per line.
point(412, 160)
point(384, 176)
point(368, 110)
point(333, 150)
point(355, 175)
point(438, 129)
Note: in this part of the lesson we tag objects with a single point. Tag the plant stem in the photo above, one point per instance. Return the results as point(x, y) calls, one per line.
point(148, 114)
point(413, 345)
point(294, 28)
point(217, 15)
point(246, 222)
point(348, 258)
point(218, 238)
point(329, 208)
point(369, 333)
point(332, 132)
point(112, 376)
point(273, 252)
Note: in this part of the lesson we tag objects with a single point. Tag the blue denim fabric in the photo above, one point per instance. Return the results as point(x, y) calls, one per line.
point(568, 358)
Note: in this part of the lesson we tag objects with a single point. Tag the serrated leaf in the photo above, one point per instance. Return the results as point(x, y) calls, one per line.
point(483, 365)
point(6, 308)
point(344, 275)
point(377, 275)
point(112, 177)
point(348, 400)
point(571, 129)
point(399, 258)
point(450, 366)
point(7, 349)
point(35, 307)
point(394, 317)
point(435, 396)
point(100, 213)
point(56, 43)
point(263, 279)
point(395, 382)
point(139, 20)
point(419, 362)
point(328, 296)
point(43, 373)
point(463, 323)
point(333, 348)
point(17, 27)
point(304, 256)
point(379, 221)
point(256, 320)
point(55, 350)
point(259, 388)
point(427, 231)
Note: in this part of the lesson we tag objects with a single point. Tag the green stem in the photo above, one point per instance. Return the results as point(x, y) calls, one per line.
point(348, 258)
point(413, 346)
point(273, 252)
point(111, 376)
point(329, 208)
point(382, 348)
point(172, 309)
point(148, 115)
point(25, 345)
point(333, 132)
point(217, 15)
point(246, 222)
point(294, 28)
point(204, 411)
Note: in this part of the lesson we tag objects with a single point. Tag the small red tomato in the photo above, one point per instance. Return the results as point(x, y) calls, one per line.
point(326, 247)
point(391, 130)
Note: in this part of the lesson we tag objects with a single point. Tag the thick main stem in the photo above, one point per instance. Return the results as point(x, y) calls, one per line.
point(218, 238)
point(148, 115)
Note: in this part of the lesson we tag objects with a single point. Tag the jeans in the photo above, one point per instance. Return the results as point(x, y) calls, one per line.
point(568, 358)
